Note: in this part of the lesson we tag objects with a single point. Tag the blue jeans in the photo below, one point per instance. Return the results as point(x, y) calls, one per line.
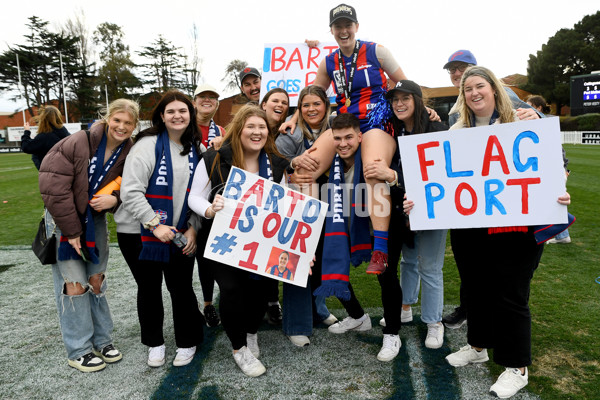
point(85, 319)
point(563, 235)
point(297, 310)
point(424, 263)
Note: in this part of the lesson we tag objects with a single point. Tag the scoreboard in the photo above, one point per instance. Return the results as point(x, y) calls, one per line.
point(585, 94)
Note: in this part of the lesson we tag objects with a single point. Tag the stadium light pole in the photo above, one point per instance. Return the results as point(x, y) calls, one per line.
point(20, 85)
point(62, 79)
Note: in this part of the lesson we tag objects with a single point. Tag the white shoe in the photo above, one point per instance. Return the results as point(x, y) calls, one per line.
point(382, 322)
point(156, 356)
point(391, 347)
point(252, 344)
point(351, 324)
point(563, 240)
point(406, 315)
point(435, 336)
point(184, 356)
point(330, 320)
point(509, 383)
point(467, 355)
point(249, 364)
point(300, 340)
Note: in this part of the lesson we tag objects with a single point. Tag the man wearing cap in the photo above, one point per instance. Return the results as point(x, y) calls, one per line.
point(458, 62)
point(250, 80)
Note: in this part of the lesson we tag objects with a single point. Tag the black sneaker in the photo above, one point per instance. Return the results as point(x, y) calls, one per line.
point(211, 316)
point(456, 319)
point(88, 363)
point(109, 354)
point(274, 314)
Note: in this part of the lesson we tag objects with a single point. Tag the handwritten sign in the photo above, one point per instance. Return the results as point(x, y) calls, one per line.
point(293, 66)
point(497, 175)
point(266, 228)
point(15, 133)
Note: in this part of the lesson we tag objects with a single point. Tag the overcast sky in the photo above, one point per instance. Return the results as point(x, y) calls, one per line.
point(420, 34)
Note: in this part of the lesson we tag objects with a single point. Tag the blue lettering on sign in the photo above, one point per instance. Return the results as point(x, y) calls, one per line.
point(311, 204)
point(251, 210)
point(532, 162)
point(490, 196)
point(282, 237)
point(430, 198)
point(289, 85)
point(267, 60)
point(235, 182)
point(448, 157)
point(277, 193)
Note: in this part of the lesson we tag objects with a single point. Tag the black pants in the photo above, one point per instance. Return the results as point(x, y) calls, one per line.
point(242, 302)
point(178, 272)
point(391, 292)
point(497, 272)
point(207, 280)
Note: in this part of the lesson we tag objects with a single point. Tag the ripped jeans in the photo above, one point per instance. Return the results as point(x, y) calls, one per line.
point(85, 319)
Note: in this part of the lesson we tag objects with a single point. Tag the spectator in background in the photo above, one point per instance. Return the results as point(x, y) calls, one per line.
point(50, 131)
point(206, 103)
point(250, 80)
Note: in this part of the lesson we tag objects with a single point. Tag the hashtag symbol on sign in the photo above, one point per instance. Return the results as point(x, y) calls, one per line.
point(223, 244)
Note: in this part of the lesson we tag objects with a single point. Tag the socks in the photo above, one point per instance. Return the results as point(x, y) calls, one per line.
point(381, 241)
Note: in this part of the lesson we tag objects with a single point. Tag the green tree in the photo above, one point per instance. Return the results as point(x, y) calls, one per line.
point(232, 74)
point(569, 52)
point(165, 69)
point(115, 73)
point(39, 64)
point(83, 85)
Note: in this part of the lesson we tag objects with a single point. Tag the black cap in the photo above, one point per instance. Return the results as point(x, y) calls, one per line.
point(248, 71)
point(405, 86)
point(342, 11)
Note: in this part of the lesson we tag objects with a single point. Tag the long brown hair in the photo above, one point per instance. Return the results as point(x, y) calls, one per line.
point(49, 118)
point(320, 93)
point(234, 133)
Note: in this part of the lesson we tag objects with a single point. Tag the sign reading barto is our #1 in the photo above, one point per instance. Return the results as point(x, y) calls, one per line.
point(266, 228)
point(490, 176)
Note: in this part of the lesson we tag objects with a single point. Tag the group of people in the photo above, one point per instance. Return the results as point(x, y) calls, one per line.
point(172, 177)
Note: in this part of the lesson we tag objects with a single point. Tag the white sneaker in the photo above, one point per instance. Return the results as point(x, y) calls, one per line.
point(509, 383)
point(467, 355)
point(184, 356)
point(382, 322)
point(435, 336)
point(300, 340)
point(351, 324)
point(330, 320)
point(156, 356)
point(249, 364)
point(252, 344)
point(391, 347)
point(406, 315)
point(563, 240)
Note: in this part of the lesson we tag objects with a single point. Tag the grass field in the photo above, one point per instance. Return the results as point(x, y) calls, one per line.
point(564, 303)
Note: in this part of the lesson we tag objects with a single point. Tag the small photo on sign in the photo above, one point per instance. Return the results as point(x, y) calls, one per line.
point(282, 263)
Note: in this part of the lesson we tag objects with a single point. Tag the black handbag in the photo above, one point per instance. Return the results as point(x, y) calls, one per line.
point(44, 247)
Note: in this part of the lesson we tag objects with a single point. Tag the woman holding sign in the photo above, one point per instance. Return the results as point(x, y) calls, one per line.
point(248, 146)
point(156, 233)
point(497, 263)
point(72, 175)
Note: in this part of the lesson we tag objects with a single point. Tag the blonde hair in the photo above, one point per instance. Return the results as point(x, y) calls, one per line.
point(117, 106)
point(503, 103)
point(49, 118)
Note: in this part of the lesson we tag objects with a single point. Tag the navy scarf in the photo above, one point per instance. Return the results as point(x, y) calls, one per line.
point(160, 197)
point(96, 174)
point(353, 248)
point(213, 131)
